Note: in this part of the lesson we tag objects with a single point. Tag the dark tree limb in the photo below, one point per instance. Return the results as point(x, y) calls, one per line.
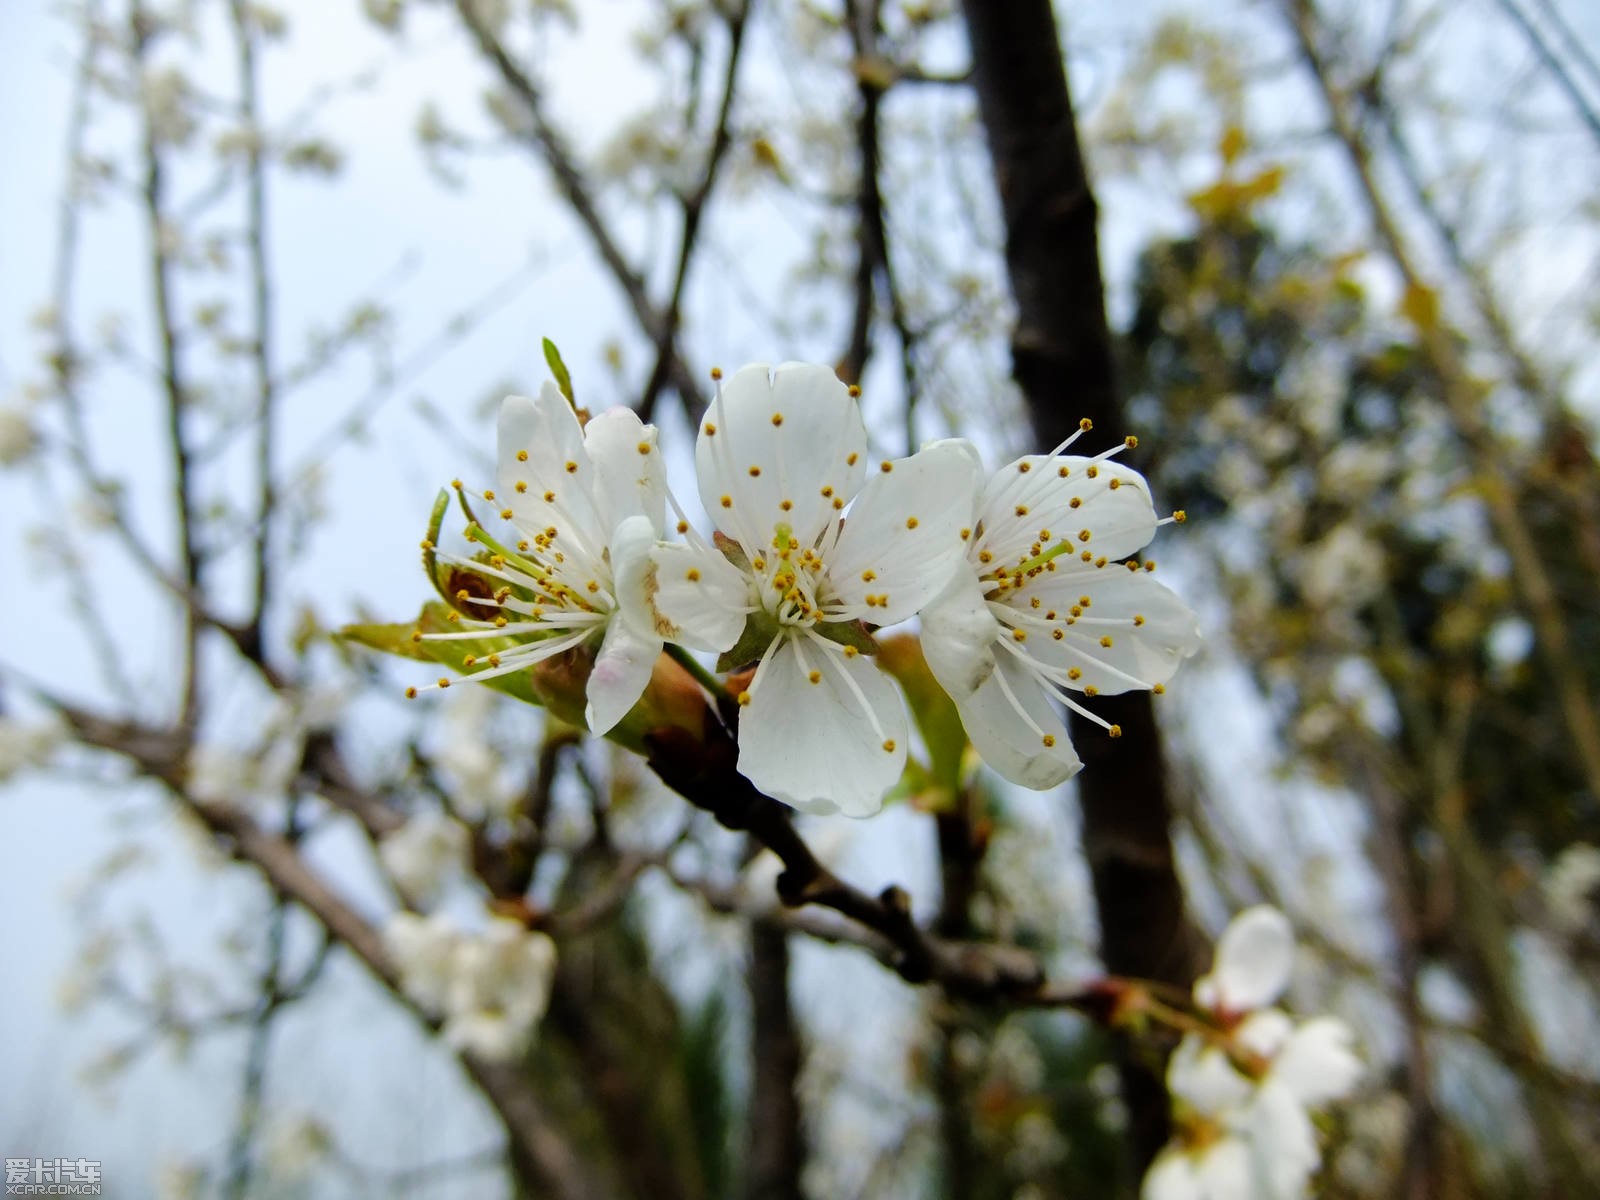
point(776, 1150)
point(1063, 360)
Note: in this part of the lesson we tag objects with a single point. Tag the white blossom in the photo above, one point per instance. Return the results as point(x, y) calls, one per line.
point(423, 950)
point(779, 456)
point(499, 989)
point(480, 788)
point(1043, 607)
point(424, 854)
point(580, 502)
point(1572, 887)
point(168, 105)
point(1243, 1095)
point(296, 1144)
point(17, 437)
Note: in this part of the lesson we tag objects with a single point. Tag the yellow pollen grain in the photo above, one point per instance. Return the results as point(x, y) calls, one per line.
point(851, 652)
point(868, 576)
point(1063, 472)
point(643, 447)
point(727, 502)
point(888, 745)
point(505, 514)
point(1086, 425)
point(985, 557)
point(470, 660)
point(1074, 674)
point(711, 430)
point(1138, 619)
point(683, 527)
point(1019, 635)
point(692, 574)
point(911, 522)
point(743, 697)
point(1057, 634)
point(522, 485)
point(886, 467)
point(443, 682)
point(1160, 689)
point(827, 491)
point(1034, 603)
point(837, 504)
point(1106, 641)
point(457, 484)
point(1114, 731)
point(755, 472)
point(760, 564)
point(488, 494)
point(1049, 739)
point(1022, 510)
point(522, 456)
point(1150, 564)
point(572, 468)
point(815, 677)
point(549, 497)
point(777, 419)
point(1084, 535)
point(716, 372)
point(411, 693)
point(786, 505)
point(592, 586)
point(1114, 484)
point(1179, 515)
point(1131, 442)
point(1091, 690)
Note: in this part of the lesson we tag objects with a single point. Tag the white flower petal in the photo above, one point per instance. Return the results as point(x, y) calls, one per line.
point(1223, 1170)
point(1013, 741)
point(1201, 1076)
point(1255, 956)
point(1283, 1143)
point(902, 539)
point(1265, 1032)
point(958, 633)
point(620, 675)
point(541, 447)
point(1171, 1177)
point(1017, 504)
point(801, 434)
point(696, 597)
point(1150, 629)
point(1318, 1062)
point(811, 745)
point(629, 476)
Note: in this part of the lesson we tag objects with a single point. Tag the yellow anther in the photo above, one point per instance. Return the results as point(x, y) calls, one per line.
point(592, 586)
point(572, 468)
point(1022, 510)
point(457, 484)
point(523, 545)
point(743, 697)
point(470, 660)
point(1057, 634)
point(716, 372)
point(1131, 442)
point(500, 622)
point(777, 419)
point(1091, 690)
point(1086, 425)
point(463, 594)
point(494, 660)
point(1073, 673)
point(1114, 484)
point(1093, 472)
point(965, 534)
point(1084, 535)
point(692, 574)
point(1034, 603)
point(1083, 600)
point(1063, 472)
point(1106, 641)
point(1179, 516)
point(1019, 635)
point(505, 514)
point(1114, 731)
point(868, 576)
point(911, 522)
point(443, 682)
point(643, 447)
point(1138, 619)
point(1101, 561)
point(1049, 739)
point(1150, 564)
point(497, 560)
point(827, 491)
point(427, 543)
point(837, 504)
point(1160, 689)
point(411, 693)
point(488, 494)
point(886, 466)
point(416, 635)
point(759, 564)
point(1044, 535)
point(522, 485)
point(727, 502)
point(851, 652)
point(755, 472)
point(522, 456)
point(1076, 610)
point(815, 677)
point(683, 527)
point(711, 429)
point(786, 505)
point(985, 557)
point(549, 497)
point(888, 745)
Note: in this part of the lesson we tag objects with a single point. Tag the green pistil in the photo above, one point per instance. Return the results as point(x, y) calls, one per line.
point(477, 533)
point(1039, 560)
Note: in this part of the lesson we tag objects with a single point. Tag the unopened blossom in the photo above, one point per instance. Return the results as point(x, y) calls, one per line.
point(499, 989)
point(1043, 608)
point(577, 503)
point(779, 456)
point(1243, 1096)
point(424, 854)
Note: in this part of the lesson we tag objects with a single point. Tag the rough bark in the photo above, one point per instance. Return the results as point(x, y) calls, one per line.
point(1063, 360)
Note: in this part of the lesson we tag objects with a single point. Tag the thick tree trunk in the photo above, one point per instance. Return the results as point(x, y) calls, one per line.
point(1063, 360)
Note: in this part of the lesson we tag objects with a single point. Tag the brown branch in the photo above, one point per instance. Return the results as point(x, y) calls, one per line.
point(1062, 348)
point(694, 207)
point(776, 1151)
point(576, 190)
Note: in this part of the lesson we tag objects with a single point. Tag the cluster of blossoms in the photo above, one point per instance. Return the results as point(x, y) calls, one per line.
point(490, 988)
point(1018, 579)
point(1243, 1091)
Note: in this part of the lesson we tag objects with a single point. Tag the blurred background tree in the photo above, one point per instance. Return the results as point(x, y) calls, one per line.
point(1333, 263)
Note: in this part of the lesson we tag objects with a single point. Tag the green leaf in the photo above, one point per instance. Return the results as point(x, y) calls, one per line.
point(435, 618)
point(935, 713)
point(552, 357)
point(848, 633)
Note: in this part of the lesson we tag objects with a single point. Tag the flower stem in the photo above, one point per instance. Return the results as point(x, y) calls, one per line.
point(696, 668)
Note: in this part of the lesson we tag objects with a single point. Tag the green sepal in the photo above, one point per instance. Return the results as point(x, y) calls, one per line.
point(430, 544)
point(558, 369)
point(732, 551)
point(760, 628)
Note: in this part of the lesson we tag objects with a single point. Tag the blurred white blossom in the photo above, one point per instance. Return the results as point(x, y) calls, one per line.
point(17, 437)
point(424, 855)
point(1572, 886)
